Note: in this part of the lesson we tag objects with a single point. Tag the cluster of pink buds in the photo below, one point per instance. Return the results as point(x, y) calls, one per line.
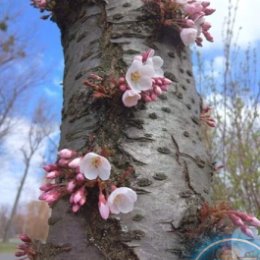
point(188, 16)
point(81, 173)
point(26, 250)
point(194, 24)
point(41, 4)
point(144, 79)
point(243, 221)
point(206, 116)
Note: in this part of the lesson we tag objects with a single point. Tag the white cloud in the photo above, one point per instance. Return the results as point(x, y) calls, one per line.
point(247, 19)
point(12, 166)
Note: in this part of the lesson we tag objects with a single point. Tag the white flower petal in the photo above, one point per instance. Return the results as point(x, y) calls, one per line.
point(104, 169)
point(114, 208)
point(157, 61)
point(145, 83)
point(188, 35)
point(122, 200)
point(93, 165)
point(126, 204)
point(130, 98)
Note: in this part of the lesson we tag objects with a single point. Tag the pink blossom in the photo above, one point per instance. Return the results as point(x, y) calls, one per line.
point(93, 166)
point(139, 76)
point(130, 98)
point(122, 200)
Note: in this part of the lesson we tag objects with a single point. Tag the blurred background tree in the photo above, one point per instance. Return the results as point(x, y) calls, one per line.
point(232, 87)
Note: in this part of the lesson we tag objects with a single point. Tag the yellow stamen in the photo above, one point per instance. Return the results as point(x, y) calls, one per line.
point(96, 162)
point(135, 76)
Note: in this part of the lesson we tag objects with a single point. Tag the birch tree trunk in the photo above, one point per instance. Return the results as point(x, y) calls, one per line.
point(162, 140)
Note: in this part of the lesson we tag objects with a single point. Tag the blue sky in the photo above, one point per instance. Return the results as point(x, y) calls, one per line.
point(43, 38)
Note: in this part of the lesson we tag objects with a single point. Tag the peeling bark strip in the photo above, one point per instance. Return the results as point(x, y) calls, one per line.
point(172, 171)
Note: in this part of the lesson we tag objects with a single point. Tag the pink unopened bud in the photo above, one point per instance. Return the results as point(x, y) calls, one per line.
point(190, 23)
point(208, 36)
point(255, 222)
point(166, 81)
point(212, 123)
point(23, 246)
point(50, 196)
point(205, 4)
point(123, 87)
point(19, 254)
point(157, 91)
point(66, 153)
point(103, 207)
point(25, 238)
point(206, 26)
point(246, 230)
point(209, 11)
point(80, 177)
point(159, 82)
point(164, 87)
point(72, 198)
point(71, 185)
point(78, 195)
point(52, 175)
point(193, 8)
point(147, 54)
point(147, 98)
point(121, 80)
point(63, 162)
point(153, 97)
point(46, 187)
point(74, 163)
point(82, 201)
point(50, 167)
point(236, 220)
point(75, 208)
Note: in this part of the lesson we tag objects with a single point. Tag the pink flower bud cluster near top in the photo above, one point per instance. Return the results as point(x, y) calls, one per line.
point(82, 174)
point(243, 221)
point(25, 250)
point(41, 4)
point(206, 116)
point(144, 79)
point(188, 16)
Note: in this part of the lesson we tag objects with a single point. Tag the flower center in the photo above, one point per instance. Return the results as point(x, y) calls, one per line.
point(117, 200)
point(96, 162)
point(135, 76)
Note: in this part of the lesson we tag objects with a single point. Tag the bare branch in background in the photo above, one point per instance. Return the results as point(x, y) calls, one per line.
point(40, 129)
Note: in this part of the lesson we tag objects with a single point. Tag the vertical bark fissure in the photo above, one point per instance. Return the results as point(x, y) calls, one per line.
point(161, 140)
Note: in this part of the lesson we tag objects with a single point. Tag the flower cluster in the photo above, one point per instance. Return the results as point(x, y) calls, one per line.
point(187, 16)
point(144, 79)
point(26, 250)
point(82, 173)
point(220, 211)
point(41, 4)
point(243, 221)
point(206, 116)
